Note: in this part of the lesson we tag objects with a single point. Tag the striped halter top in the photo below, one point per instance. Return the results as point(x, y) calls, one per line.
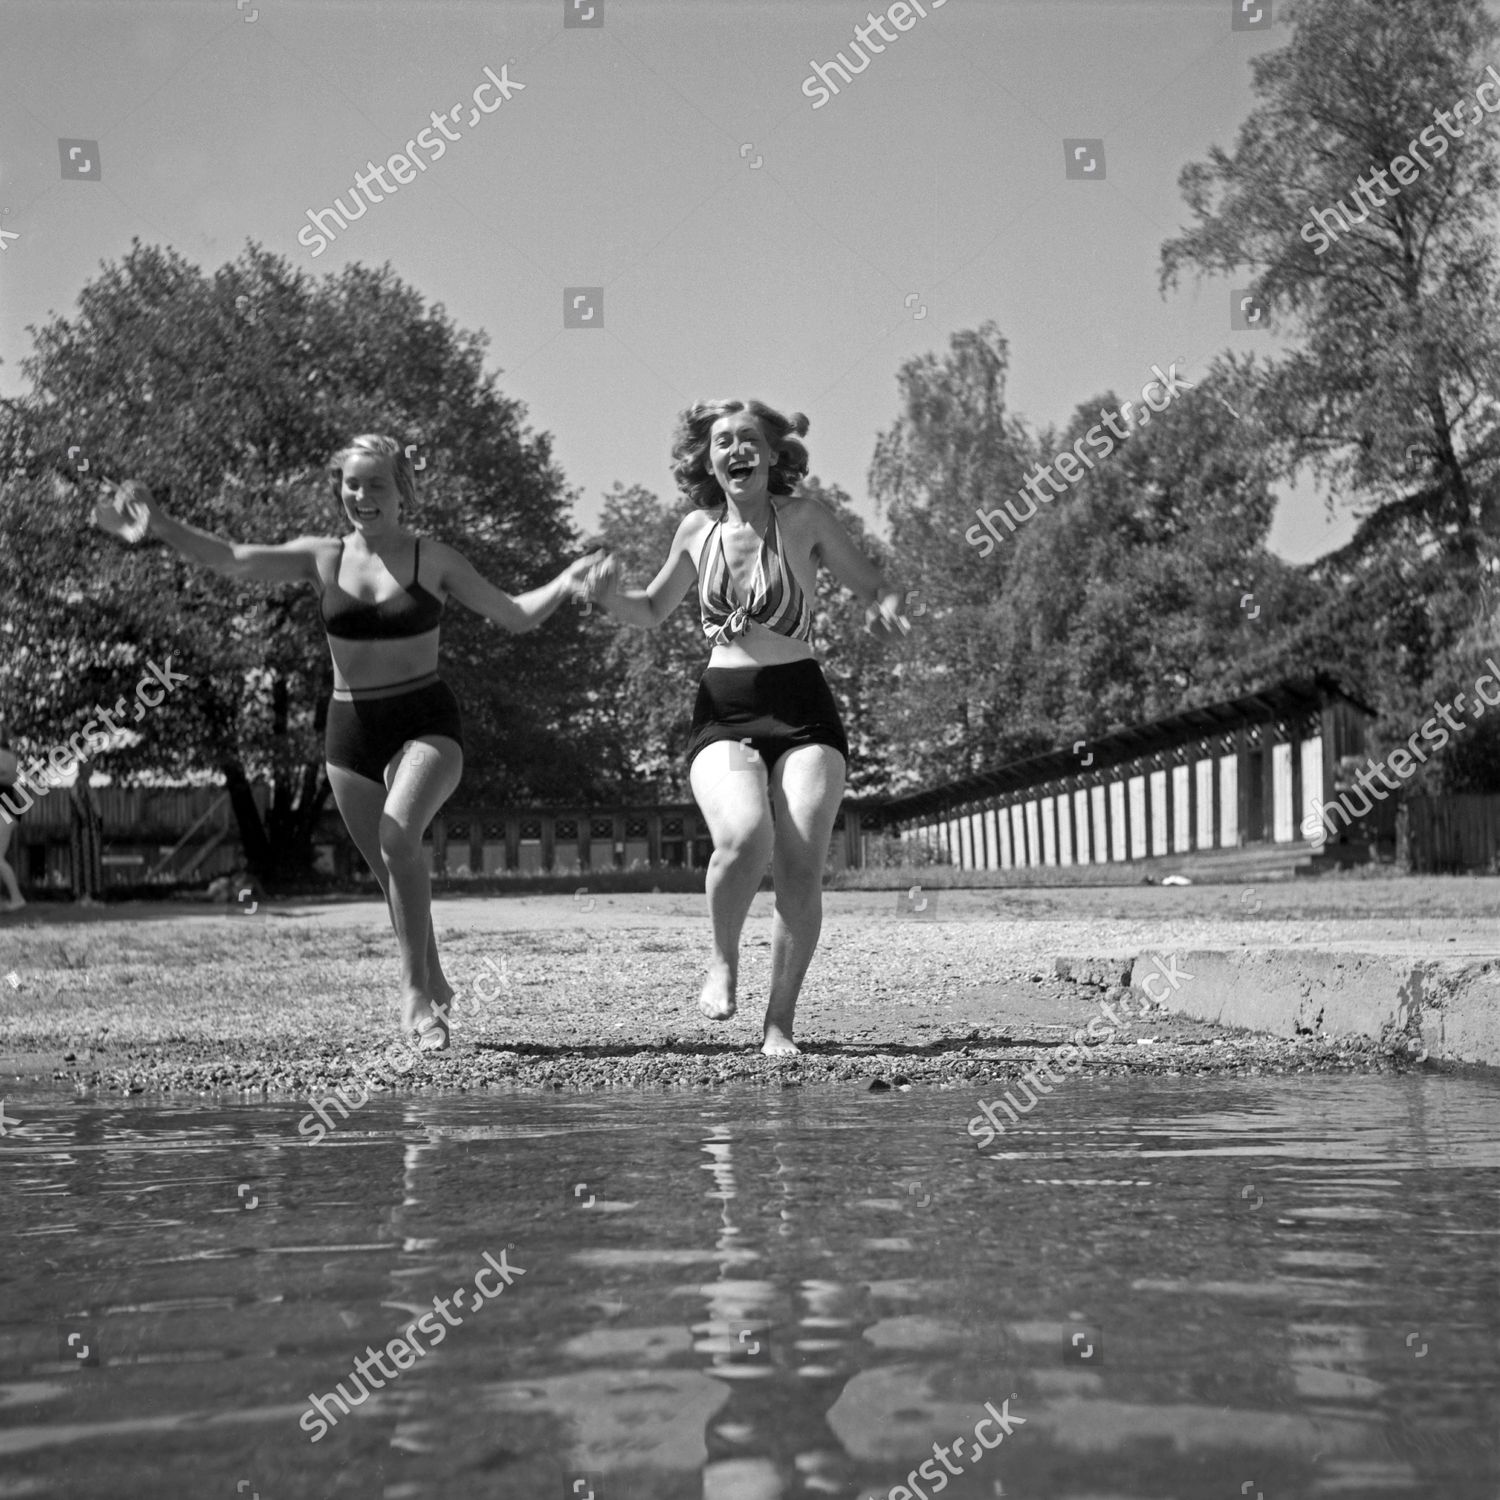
point(776, 598)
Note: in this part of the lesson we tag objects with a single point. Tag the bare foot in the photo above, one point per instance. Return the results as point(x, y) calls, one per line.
point(716, 1001)
point(778, 1043)
point(417, 1012)
point(438, 1038)
point(414, 1007)
point(433, 1035)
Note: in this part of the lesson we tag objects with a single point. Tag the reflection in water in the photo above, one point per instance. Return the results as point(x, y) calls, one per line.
point(771, 1439)
point(414, 1428)
point(1179, 1288)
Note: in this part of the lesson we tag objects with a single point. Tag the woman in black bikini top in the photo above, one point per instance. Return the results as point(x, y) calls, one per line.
point(394, 742)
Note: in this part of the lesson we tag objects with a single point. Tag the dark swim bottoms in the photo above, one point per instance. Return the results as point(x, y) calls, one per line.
point(776, 708)
point(365, 732)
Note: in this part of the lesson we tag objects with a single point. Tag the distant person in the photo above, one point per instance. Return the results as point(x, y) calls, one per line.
point(394, 743)
point(10, 771)
point(766, 735)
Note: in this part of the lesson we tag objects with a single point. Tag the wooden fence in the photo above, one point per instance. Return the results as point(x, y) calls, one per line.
point(1452, 835)
point(146, 833)
point(191, 833)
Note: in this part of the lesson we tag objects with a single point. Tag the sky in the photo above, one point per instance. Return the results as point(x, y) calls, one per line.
point(728, 231)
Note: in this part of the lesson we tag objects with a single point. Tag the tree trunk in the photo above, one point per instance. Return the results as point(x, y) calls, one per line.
point(85, 842)
point(293, 822)
point(253, 840)
point(280, 846)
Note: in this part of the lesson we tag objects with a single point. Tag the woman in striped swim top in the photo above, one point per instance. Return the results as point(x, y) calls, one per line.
point(394, 741)
point(766, 736)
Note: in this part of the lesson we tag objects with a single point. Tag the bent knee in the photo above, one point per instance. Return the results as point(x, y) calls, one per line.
point(745, 841)
point(400, 846)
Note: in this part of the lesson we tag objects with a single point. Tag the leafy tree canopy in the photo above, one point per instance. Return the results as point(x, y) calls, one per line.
point(1358, 204)
point(228, 393)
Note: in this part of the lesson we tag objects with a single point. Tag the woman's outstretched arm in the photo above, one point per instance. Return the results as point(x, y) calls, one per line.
point(133, 514)
point(883, 603)
point(517, 614)
point(649, 606)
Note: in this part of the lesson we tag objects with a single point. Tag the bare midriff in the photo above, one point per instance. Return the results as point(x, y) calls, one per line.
point(360, 666)
point(760, 646)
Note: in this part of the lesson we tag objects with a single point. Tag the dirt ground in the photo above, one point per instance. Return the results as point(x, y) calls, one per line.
point(948, 988)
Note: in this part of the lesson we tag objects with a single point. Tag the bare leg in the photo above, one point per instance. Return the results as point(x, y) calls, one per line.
point(7, 875)
point(362, 804)
point(806, 788)
point(420, 780)
point(729, 785)
point(438, 991)
point(386, 824)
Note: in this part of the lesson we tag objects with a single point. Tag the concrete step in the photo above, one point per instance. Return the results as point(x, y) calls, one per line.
point(1440, 1006)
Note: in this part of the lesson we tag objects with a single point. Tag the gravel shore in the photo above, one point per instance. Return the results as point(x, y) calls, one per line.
point(966, 991)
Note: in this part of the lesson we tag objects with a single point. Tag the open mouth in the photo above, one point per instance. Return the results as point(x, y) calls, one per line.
point(740, 469)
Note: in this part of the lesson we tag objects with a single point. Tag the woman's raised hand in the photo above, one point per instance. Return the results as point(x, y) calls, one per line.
point(584, 575)
point(125, 510)
point(884, 620)
point(603, 576)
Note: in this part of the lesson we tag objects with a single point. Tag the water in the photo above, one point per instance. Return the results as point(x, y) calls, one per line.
point(1241, 1288)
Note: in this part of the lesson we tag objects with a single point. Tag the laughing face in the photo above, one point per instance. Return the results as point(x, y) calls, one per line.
point(371, 499)
point(739, 456)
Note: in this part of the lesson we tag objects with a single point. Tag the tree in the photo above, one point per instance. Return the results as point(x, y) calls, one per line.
point(1123, 598)
point(1148, 588)
point(952, 452)
point(228, 393)
point(652, 674)
point(1358, 205)
point(1396, 311)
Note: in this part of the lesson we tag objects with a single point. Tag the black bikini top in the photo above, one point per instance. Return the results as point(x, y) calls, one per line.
point(414, 611)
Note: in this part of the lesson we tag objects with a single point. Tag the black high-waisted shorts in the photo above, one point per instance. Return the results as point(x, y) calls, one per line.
point(364, 733)
point(776, 708)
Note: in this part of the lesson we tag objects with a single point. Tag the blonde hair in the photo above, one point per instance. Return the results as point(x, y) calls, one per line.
point(690, 465)
point(376, 445)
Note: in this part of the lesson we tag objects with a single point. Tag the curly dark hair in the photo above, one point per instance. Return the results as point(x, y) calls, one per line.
point(690, 465)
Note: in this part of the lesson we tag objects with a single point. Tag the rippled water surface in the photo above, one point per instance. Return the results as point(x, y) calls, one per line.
point(1244, 1288)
